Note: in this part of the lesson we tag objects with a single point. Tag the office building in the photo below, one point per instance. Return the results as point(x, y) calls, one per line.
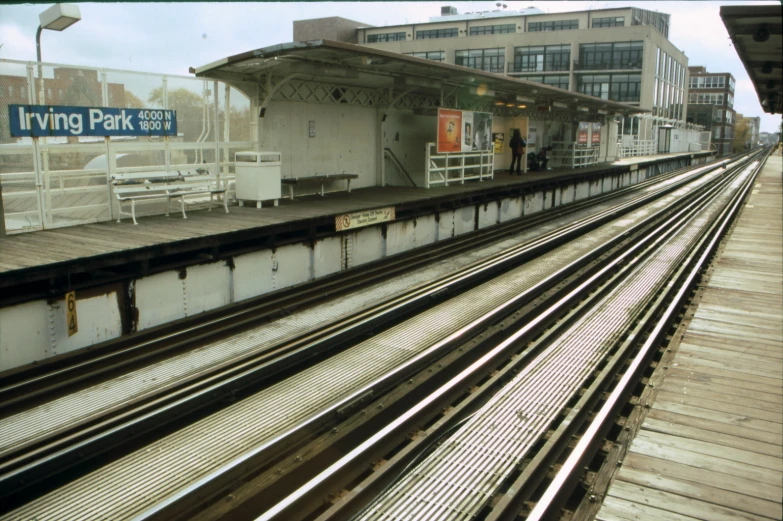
point(620, 54)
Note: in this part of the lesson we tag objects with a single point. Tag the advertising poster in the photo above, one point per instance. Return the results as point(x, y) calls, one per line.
point(464, 131)
point(482, 131)
point(449, 131)
point(596, 139)
point(582, 134)
point(467, 131)
point(498, 139)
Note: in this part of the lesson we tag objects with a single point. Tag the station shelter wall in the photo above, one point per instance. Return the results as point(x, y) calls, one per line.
point(345, 140)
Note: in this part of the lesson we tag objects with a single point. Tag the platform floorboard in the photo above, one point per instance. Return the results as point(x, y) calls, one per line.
point(36, 249)
point(711, 447)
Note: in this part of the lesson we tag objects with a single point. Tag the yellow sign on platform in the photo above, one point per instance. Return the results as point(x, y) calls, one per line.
point(364, 218)
point(70, 310)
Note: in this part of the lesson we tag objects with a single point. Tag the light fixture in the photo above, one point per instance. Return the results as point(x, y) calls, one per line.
point(583, 109)
point(60, 16)
point(511, 105)
point(499, 103)
point(522, 106)
point(559, 105)
point(482, 90)
point(523, 99)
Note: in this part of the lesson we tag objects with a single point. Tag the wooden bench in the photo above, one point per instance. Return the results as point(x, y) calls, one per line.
point(321, 179)
point(175, 185)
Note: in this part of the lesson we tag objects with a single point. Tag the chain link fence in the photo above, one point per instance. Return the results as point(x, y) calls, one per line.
point(63, 181)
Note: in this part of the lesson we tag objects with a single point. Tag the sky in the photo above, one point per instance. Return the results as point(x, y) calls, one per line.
point(169, 38)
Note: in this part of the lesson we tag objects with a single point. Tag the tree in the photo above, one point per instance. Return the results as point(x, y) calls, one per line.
point(741, 135)
point(190, 107)
point(132, 101)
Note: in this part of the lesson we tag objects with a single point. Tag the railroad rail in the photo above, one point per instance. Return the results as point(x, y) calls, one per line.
point(479, 462)
point(373, 381)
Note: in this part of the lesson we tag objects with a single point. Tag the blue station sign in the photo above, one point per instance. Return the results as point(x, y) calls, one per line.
point(54, 120)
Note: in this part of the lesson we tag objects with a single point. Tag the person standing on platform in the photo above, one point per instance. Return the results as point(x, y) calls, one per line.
point(517, 146)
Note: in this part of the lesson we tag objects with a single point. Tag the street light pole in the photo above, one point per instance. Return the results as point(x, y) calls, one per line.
point(56, 18)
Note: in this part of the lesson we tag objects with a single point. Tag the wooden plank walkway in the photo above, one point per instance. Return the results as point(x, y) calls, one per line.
point(48, 247)
point(711, 447)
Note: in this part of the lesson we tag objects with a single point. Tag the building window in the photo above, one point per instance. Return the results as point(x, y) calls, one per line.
point(619, 55)
point(493, 29)
point(553, 80)
point(594, 85)
point(707, 82)
point(436, 33)
point(731, 84)
point(537, 59)
point(625, 87)
point(385, 37)
point(553, 26)
point(528, 59)
point(490, 60)
point(729, 100)
point(437, 56)
point(609, 22)
point(701, 98)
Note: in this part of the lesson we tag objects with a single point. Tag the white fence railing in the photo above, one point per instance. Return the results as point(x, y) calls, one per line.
point(64, 181)
point(570, 155)
point(639, 147)
point(458, 167)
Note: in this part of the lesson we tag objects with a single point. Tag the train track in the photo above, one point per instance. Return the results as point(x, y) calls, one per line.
point(500, 454)
point(343, 404)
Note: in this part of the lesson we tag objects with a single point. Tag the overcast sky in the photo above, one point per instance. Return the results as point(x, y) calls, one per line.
point(170, 38)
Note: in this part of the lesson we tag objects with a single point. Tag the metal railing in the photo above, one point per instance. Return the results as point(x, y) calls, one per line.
point(570, 155)
point(519, 68)
point(399, 166)
point(639, 147)
point(51, 182)
point(607, 66)
point(457, 167)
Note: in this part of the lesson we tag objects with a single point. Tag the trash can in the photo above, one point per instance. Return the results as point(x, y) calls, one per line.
point(258, 177)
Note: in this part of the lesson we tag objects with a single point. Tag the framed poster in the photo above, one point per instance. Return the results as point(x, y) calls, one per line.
point(596, 134)
point(482, 131)
point(582, 134)
point(449, 131)
point(498, 141)
point(464, 131)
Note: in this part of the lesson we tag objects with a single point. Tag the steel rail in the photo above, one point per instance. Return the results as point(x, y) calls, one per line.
point(24, 384)
point(569, 426)
point(283, 509)
point(44, 456)
point(563, 482)
point(341, 403)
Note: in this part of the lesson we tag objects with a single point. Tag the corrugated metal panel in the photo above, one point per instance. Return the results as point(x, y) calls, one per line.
point(510, 209)
point(291, 265)
point(98, 319)
point(488, 214)
point(426, 231)
point(327, 257)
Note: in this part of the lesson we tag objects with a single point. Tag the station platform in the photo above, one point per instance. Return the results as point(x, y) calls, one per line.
point(711, 445)
point(95, 248)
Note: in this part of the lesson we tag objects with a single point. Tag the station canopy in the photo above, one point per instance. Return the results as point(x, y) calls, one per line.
point(455, 86)
point(755, 31)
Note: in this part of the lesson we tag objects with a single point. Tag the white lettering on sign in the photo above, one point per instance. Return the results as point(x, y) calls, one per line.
point(120, 121)
point(364, 218)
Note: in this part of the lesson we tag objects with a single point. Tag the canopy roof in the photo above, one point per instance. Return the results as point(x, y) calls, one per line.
point(348, 64)
point(756, 31)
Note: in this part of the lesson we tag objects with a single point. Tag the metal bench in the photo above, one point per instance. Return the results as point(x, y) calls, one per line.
point(316, 179)
point(164, 185)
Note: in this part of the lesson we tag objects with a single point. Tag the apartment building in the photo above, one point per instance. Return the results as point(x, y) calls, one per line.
point(619, 54)
point(711, 104)
point(752, 125)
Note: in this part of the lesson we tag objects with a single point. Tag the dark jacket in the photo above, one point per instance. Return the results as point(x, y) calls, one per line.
point(515, 142)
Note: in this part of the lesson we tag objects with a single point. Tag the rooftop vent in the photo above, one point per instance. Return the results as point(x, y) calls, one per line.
point(447, 10)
